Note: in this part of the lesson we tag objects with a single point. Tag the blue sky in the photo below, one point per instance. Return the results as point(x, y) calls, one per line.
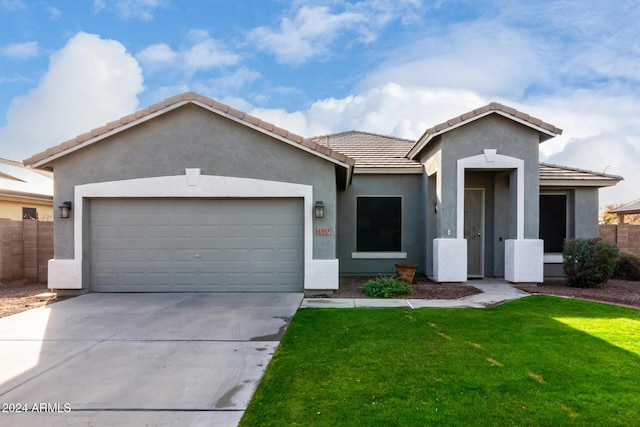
point(388, 66)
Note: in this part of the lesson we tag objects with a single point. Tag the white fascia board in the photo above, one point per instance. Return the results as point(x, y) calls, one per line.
point(388, 171)
point(576, 183)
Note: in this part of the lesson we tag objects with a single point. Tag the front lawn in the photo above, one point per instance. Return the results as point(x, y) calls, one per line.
point(538, 361)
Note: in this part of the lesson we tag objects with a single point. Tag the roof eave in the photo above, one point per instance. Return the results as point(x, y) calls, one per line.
point(578, 182)
point(43, 160)
point(424, 140)
point(413, 170)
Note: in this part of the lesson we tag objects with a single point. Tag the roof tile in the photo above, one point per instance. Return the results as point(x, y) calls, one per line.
point(296, 138)
point(251, 119)
point(279, 131)
point(99, 131)
point(83, 137)
point(265, 125)
point(114, 124)
point(235, 113)
point(128, 119)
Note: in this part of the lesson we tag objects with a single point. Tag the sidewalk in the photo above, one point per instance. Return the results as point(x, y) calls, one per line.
point(494, 291)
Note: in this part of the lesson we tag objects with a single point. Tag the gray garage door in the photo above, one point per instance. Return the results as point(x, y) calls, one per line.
point(178, 245)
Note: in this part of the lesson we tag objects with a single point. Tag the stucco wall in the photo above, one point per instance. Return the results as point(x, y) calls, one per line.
point(510, 139)
point(411, 189)
point(585, 212)
point(13, 210)
point(192, 137)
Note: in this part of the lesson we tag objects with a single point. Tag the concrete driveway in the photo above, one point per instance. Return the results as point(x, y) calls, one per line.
point(139, 359)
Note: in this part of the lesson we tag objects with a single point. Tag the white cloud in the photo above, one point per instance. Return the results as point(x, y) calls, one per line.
point(605, 152)
point(314, 30)
point(405, 112)
point(206, 53)
point(24, 50)
point(13, 4)
point(482, 57)
point(157, 56)
point(203, 53)
point(54, 13)
point(90, 81)
point(127, 9)
point(308, 35)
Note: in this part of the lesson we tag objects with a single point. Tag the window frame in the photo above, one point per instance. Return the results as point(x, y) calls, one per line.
point(552, 255)
point(381, 254)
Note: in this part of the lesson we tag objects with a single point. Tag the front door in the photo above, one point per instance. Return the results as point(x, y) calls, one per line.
point(474, 231)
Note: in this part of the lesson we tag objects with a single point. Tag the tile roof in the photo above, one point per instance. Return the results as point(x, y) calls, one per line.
point(176, 101)
point(630, 208)
point(373, 151)
point(550, 173)
point(546, 129)
point(370, 150)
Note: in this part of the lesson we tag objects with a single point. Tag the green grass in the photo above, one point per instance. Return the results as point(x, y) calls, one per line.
point(538, 361)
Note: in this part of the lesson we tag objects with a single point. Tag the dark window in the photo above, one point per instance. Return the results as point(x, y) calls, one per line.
point(29, 213)
point(553, 221)
point(379, 224)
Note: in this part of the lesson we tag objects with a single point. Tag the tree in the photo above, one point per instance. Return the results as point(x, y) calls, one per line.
point(612, 218)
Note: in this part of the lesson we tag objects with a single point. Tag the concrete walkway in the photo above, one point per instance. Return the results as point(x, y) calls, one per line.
point(494, 291)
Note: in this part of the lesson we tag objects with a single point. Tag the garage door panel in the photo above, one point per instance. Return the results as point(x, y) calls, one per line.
point(190, 245)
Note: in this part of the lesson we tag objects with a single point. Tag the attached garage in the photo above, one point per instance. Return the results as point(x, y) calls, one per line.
point(196, 245)
point(190, 195)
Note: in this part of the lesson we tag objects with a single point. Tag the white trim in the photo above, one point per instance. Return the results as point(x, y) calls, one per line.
point(480, 162)
point(576, 183)
point(379, 255)
point(552, 258)
point(208, 187)
point(417, 170)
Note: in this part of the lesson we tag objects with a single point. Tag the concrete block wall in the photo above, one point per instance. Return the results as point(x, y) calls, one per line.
point(627, 236)
point(25, 249)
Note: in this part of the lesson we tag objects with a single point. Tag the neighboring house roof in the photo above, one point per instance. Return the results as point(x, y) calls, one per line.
point(555, 175)
point(545, 129)
point(20, 182)
point(632, 207)
point(44, 158)
point(372, 152)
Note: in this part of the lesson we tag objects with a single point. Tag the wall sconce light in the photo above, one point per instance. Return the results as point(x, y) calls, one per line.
point(318, 209)
point(64, 209)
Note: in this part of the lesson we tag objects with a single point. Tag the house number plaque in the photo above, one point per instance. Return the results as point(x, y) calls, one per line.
point(323, 232)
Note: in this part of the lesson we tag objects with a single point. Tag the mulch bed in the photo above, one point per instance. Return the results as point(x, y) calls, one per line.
point(622, 292)
point(423, 288)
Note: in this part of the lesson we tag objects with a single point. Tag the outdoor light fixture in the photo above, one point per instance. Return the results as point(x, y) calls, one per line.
point(318, 209)
point(65, 208)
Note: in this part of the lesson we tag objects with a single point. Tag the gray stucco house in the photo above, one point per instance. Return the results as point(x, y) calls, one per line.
point(192, 195)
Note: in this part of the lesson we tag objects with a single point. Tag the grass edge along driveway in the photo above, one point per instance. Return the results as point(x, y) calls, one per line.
point(536, 361)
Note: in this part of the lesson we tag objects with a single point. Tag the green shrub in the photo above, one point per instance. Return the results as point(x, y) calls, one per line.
point(386, 287)
point(588, 263)
point(627, 267)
